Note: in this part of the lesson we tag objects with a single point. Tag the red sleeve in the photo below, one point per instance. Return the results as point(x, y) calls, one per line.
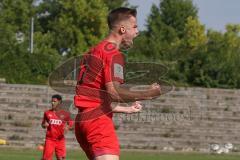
point(44, 118)
point(114, 68)
point(70, 122)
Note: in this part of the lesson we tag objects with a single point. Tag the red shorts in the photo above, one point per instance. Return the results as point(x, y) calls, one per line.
point(54, 145)
point(97, 137)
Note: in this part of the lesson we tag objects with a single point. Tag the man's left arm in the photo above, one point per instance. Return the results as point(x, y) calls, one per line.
point(69, 125)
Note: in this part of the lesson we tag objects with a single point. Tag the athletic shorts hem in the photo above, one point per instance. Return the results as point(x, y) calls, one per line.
point(106, 152)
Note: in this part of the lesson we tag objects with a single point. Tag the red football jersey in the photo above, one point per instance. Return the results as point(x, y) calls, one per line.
point(57, 122)
point(102, 64)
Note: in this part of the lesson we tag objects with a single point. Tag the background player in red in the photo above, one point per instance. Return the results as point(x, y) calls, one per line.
point(57, 125)
point(100, 83)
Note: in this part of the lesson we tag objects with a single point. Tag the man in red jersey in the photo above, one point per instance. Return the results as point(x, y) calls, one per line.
point(57, 122)
point(100, 83)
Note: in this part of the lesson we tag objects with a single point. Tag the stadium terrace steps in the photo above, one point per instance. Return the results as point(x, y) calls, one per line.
point(187, 119)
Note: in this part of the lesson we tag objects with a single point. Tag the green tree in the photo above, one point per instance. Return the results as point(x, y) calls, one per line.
point(14, 18)
point(229, 54)
point(17, 64)
point(194, 34)
point(112, 4)
point(175, 13)
point(159, 41)
point(75, 25)
point(59, 26)
point(166, 29)
point(216, 65)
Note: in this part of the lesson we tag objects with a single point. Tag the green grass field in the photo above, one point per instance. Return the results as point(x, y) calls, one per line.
point(28, 154)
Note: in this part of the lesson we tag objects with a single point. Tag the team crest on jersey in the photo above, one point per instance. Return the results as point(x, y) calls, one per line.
point(118, 71)
point(62, 116)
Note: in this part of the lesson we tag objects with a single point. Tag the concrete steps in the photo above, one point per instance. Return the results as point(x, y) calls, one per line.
point(185, 119)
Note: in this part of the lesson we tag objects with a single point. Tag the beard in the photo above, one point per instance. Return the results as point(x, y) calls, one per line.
point(126, 44)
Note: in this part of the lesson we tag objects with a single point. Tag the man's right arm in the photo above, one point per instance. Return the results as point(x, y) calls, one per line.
point(44, 122)
point(119, 93)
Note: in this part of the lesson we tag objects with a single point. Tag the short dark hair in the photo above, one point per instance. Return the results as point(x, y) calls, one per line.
point(120, 14)
point(57, 96)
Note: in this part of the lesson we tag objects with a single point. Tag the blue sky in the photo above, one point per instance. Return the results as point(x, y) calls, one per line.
point(213, 14)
